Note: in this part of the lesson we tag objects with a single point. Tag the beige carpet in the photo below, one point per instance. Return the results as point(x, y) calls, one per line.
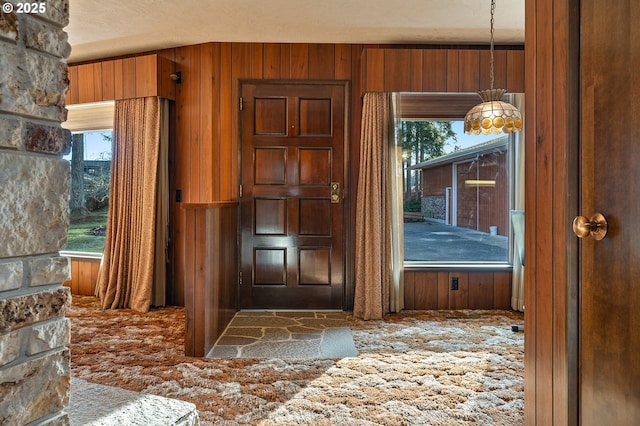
point(427, 368)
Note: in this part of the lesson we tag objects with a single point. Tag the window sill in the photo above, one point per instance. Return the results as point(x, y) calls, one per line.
point(466, 266)
point(81, 255)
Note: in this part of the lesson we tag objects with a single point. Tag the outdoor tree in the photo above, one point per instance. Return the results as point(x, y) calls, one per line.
point(98, 183)
point(77, 205)
point(422, 141)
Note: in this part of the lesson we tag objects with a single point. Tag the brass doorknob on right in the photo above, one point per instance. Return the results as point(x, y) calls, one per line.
point(596, 226)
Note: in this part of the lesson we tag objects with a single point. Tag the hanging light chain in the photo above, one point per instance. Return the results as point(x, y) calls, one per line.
point(493, 9)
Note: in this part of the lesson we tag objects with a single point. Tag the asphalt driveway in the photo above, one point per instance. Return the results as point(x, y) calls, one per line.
point(437, 242)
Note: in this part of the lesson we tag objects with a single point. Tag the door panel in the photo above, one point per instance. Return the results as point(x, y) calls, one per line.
point(292, 155)
point(610, 158)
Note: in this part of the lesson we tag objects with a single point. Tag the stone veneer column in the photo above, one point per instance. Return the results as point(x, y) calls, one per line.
point(34, 188)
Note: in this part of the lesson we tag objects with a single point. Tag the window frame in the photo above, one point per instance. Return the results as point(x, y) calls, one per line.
point(452, 107)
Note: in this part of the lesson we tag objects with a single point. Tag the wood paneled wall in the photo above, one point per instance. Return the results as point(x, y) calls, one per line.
point(476, 290)
point(441, 70)
point(116, 79)
point(211, 290)
point(204, 162)
point(84, 276)
point(552, 109)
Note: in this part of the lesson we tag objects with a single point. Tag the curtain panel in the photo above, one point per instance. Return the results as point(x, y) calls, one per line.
point(379, 254)
point(126, 274)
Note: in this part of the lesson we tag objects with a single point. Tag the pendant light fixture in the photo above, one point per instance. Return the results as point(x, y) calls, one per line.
point(492, 115)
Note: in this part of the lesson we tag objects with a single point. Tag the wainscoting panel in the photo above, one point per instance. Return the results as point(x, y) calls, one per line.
point(84, 276)
point(425, 290)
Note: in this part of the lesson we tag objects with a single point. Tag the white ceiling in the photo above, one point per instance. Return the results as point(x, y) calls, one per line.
point(104, 28)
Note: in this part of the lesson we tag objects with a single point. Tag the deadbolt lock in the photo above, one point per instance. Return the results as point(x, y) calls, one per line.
point(335, 192)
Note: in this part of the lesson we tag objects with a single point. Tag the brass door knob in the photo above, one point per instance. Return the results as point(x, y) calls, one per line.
point(596, 226)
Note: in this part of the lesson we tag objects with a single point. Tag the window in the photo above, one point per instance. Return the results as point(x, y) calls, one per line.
point(457, 190)
point(90, 160)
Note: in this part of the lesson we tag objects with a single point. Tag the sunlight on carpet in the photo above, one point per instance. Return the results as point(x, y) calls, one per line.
point(412, 368)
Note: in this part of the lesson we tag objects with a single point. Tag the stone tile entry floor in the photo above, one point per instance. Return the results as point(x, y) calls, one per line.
point(286, 335)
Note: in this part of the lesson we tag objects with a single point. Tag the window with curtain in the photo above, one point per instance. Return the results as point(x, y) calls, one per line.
point(458, 189)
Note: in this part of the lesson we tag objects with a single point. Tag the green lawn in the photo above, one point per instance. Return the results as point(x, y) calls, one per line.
point(80, 237)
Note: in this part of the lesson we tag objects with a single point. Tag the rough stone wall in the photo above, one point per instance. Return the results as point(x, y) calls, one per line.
point(434, 207)
point(34, 187)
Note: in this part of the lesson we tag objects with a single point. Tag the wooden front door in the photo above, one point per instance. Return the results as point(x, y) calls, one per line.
point(292, 137)
point(610, 184)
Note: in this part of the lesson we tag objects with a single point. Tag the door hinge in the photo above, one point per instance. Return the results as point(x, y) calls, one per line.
point(240, 191)
point(241, 103)
point(240, 278)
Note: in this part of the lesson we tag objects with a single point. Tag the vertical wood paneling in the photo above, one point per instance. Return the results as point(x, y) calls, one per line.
point(84, 277)
point(416, 70)
point(128, 78)
point(502, 290)
point(343, 62)
point(142, 76)
point(375, 78)
point(300, 61)
point(459, 299)
point(397, 73)
point(180, 176)
point(86, 92)
point(543, 183)
point(481, 290)
point(469, 70)
point(118, 84)
point(108, 81)
point(146, 76)
point(500, 69)
point(258, 65)
point(477, 290)
point(218, 146)
point(515, 71)
point(285, 61)
point(166, 67)
point(238, 69)
point(189, 283)
point(434, 77)
point(539, 171)
point(95, 269)
point(443, 290)
point(209, 146)
point(97, 82)
point(409, 292)
point(322, 58)
point(75, 278)
point(453, 71)
point(210, 275)
point(272, 61)
point(426, 290)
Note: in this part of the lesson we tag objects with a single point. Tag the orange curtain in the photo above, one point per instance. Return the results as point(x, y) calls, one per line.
point(126, 274)
point(378, 268)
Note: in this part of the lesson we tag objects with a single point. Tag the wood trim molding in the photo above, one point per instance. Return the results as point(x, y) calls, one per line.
point(116, 79)
point(441, 70)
